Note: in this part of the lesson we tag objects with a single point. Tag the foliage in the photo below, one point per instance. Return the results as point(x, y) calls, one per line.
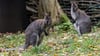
point(56, 44)
point(65, 24)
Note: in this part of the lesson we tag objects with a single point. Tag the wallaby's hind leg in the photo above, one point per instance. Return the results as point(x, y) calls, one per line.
point(35, 39)
point(26, 45)
point(40, 41)
point(77, 28)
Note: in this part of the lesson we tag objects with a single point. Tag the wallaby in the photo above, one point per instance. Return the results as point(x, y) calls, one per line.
point(34, 32)
point(82, 22)
point(35, 29)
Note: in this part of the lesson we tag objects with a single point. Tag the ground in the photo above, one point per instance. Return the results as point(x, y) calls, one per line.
point(56, 44)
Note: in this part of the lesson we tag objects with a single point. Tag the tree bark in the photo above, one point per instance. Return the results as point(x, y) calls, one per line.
point(53, 7)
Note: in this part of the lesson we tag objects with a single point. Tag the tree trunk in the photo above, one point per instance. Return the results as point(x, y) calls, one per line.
point(53, 7)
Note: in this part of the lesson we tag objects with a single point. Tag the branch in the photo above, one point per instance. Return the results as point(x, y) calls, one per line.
point(98, 15)
point(30, 9)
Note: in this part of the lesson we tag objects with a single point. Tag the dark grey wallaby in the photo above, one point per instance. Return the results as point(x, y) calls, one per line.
point(82, 22)
point(33, 33)
point(35, 29)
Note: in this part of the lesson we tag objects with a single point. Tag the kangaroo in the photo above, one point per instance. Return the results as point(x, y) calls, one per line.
point(35, 29)
point(34, 32)
point(82, 22)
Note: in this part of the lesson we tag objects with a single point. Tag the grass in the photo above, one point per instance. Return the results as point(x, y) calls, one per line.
point(56, 44)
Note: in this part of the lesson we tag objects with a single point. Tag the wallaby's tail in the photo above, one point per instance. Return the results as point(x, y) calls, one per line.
point(12, 49)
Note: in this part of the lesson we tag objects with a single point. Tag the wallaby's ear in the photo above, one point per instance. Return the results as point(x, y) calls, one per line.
point(47, 14)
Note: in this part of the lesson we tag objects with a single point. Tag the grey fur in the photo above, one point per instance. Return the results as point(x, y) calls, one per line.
point(82, 22)
point(35, 29)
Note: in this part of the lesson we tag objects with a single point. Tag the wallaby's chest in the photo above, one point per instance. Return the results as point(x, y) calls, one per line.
point(73, 14)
